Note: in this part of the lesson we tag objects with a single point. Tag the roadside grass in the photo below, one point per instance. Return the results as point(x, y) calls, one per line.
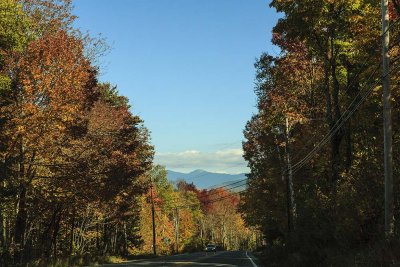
point(75, 261)
point(86, 260)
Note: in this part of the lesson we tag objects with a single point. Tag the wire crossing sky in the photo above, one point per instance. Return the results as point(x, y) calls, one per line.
point(187, 68)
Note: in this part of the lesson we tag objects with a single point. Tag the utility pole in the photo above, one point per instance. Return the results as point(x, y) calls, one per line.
point(153, 217)
point(293, 213)
point(387, 124)
point(177, 230)
point(286, 180)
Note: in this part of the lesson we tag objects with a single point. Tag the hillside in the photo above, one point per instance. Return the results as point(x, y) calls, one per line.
point(203, 179)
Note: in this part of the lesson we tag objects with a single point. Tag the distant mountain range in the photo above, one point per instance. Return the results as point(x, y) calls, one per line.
point(203, 179)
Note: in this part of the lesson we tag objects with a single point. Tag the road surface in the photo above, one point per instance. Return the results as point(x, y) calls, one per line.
point(222, 259)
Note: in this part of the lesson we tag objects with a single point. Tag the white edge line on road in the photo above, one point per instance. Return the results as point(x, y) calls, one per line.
point(252, 262)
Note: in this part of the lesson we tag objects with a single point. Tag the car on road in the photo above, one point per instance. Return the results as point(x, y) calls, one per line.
point(211, 248)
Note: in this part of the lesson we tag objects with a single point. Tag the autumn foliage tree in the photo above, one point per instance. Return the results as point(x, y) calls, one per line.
point(329, 66)
point(74, 159)
point(187, 218)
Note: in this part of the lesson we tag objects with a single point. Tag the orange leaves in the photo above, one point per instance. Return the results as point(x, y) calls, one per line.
point(48, 94)
point(105, 118)
point(71, 144)
point(53, 75)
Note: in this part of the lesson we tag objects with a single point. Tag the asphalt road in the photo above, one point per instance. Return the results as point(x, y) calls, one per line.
point(222, 258)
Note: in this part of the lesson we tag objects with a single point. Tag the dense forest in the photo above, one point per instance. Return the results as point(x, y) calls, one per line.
point(76, 165)
point(77, 179)
point(73, 158)
point(315, 146)
point(188, 218)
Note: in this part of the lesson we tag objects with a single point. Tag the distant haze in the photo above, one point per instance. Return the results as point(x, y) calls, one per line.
point(221, 161)
point(203, 179)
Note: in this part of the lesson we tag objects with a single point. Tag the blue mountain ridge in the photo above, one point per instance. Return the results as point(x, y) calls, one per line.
point(207, 180)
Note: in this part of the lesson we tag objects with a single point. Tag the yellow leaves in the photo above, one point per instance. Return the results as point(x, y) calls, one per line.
point(13, 24)
point(355, 18)
point(20, 129)
point(5, 83)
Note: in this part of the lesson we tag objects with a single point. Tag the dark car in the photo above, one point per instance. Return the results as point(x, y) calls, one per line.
point(211, 248)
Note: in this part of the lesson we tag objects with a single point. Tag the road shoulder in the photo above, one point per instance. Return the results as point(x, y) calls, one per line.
point(254, 260)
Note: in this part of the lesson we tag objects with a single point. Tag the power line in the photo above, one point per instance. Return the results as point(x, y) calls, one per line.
point(225, 146)
point(333, 128)
point(333, 131)
point(339, 123)
point(358, 74)
point(219, 187)
point(345, 116)
point(224, 197)
point(215, 190)
point(207, 202)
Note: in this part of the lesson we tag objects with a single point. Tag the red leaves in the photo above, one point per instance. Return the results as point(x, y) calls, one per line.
point(215, 199)
point(394, 9)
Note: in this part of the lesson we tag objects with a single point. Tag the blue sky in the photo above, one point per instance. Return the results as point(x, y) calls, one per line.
point(187, 68)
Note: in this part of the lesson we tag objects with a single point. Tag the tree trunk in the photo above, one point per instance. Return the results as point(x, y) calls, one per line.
point(20, 220)
point(56, 229)
point(125, 252)
point(97, 237)
point(3, 230)
point(20, 223)
point(71, 240)
point(3, 239)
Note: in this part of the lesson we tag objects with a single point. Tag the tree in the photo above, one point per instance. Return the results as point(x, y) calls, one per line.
point(73, 157)
point(328, 66)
